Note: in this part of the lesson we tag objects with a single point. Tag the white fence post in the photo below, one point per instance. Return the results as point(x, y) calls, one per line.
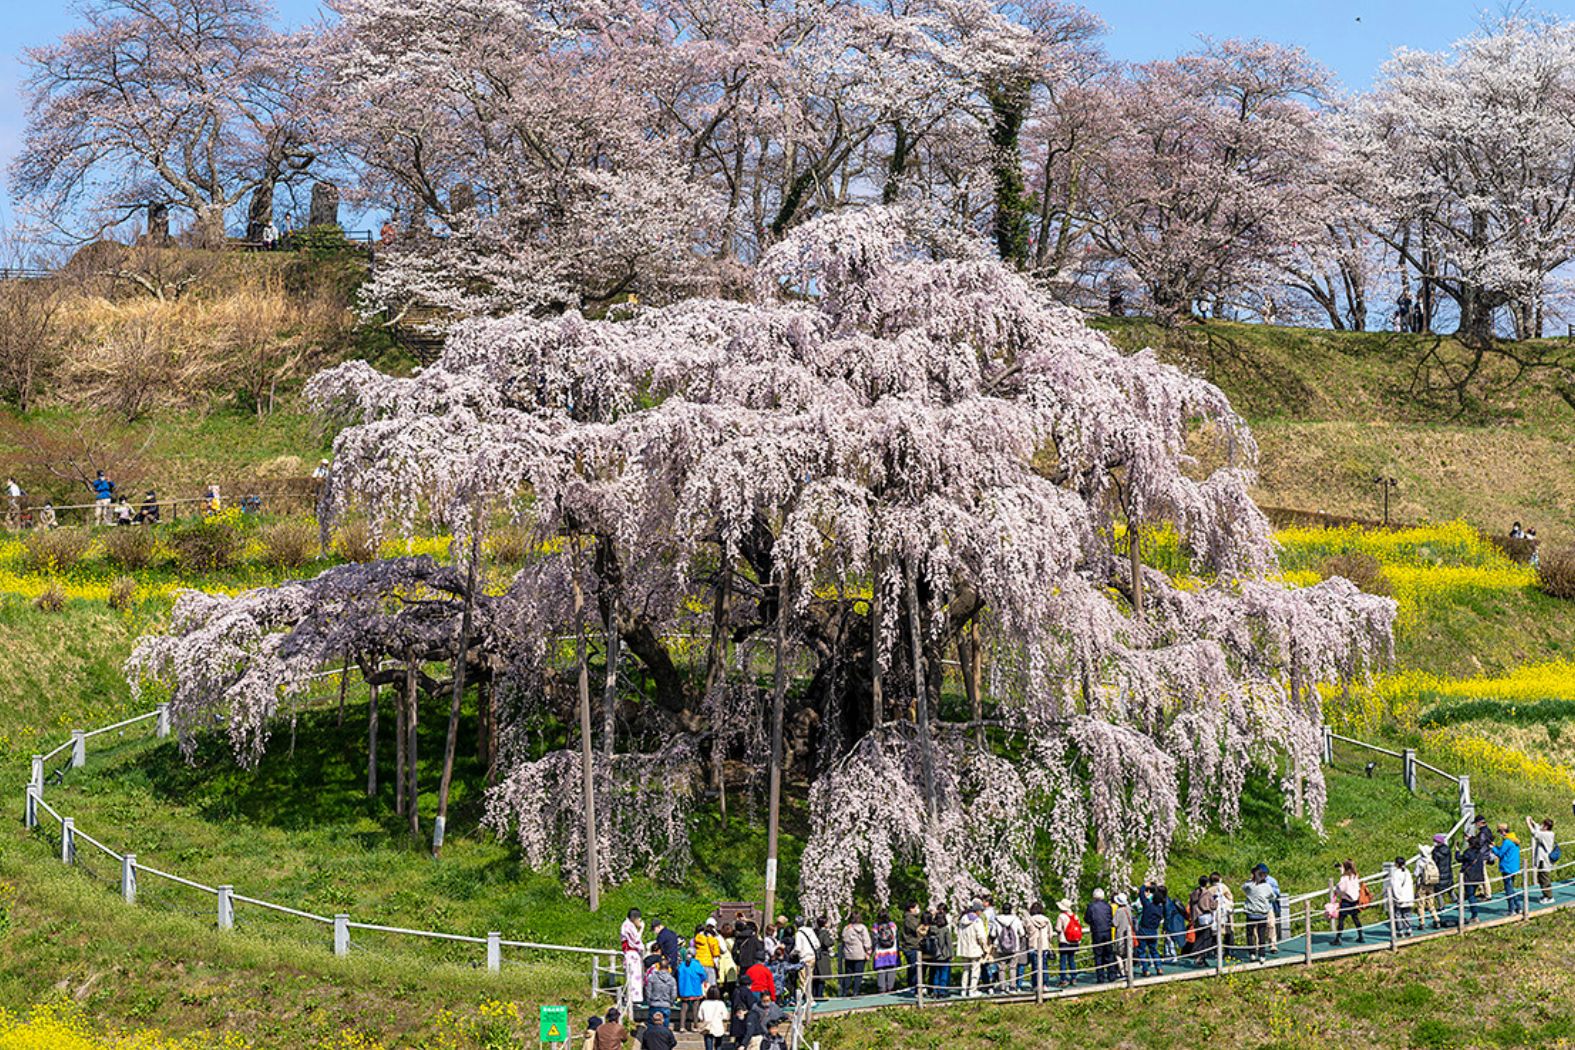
point(1408, 756)
point(437, 834)
point(78, 749)
point(128, 878)
point(30, 809)
point(38, 773)
point(226, 907)
point(494, 951)
point(1328, 746)
point(68, 840)
point(164, 721)
point(1467, 809)
point(1307, 936)
point(341, 934)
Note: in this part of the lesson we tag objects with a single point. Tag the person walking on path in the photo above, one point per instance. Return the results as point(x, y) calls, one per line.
point(611, 1034)
point(825, 956)
point(1041, 940)
point(1009, 938)
point(1544, 854)
point(1258, 903)
point(591, 1024)
point(661, 987)
point(665, 942)
point(1425, 875)
point(1201, 905)
point(693, 980)
point(1100, 920)
point(1444, 857)
point(1507, 853)
point(1069, 934)
point(806, 952)
point(973, 947)
point(631, 942)
point(942, 949)
point(657, 1036)
point(857, 946)
point(1122, 929)
point(1152, 900)
point(909, 941)
point(1274, 919)
point(886, 954)
point(1348, 897)
point(1473, 869)
point(1402, 896)
point(713, 1019)
point(1224, 912)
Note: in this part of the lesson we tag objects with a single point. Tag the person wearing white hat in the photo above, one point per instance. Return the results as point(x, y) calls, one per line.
point(1069, 934)
point(1122, 932)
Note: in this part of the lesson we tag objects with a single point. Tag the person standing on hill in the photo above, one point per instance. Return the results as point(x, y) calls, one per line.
point(911, 937)
point(1009, 939)
point(1121, 932)
point(657, 1035)
point(713, 1019)
point(665, 941)
point(612, 1034)
point(1402, 896)
point(1152, 899)
point(973, 947)
point(1041, 941)
point(1348, 897)
point(825, 956)
point(1202, 905)
point(661, 987)
point(631, 942)
point(806, 950)
point(1069, 934)
point(1473, 869)
point(1426, 876)
point(1444, 857)
point(942, 949)
point(1100, 921)
point(1258, 904)
point(693, 979)
point(1507, 853)
point(103, 496)
point(1225, 911)
point(1544, 851)
point(857, 946)
point(885, 937)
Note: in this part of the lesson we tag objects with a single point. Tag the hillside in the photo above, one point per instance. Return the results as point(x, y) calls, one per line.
point(1473, 629)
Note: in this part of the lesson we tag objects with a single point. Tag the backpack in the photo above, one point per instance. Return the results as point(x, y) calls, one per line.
point(885, 935)
point(1365, 898)
point(1429, 870)
point(1074, 930)
point(1556, 854)
point(1006, 940)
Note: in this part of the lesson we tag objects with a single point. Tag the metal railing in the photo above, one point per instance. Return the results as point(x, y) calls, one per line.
point(225, 897)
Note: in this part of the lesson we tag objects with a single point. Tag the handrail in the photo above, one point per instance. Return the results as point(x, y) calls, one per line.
point(118, 725)
point(271, 906)
point(1370, 747)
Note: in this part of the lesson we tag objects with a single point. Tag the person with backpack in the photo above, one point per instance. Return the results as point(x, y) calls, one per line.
point(806, 950)
point(1348, 894)
point(1069, 934)
point(1152, 901)
point(857, 946)
point(1545, 853)
point(940, 944)
point(973, 947)
point(1100, 921)
point(884, 935)
point(1041, 939)
point(1425, 877)
point(1010, 935)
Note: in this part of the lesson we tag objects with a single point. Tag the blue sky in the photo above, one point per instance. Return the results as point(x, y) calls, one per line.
point(1351, 37)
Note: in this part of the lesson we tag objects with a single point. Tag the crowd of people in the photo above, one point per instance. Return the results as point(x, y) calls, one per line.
point(109, 506)
point(732, 981)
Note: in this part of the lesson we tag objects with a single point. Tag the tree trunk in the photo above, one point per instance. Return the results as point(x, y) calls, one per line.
point(260, 213)
point(716, 658)
point(778, 702)
point(877, 701)
point(921, 697)
point(587, 768)
point(344, 683)
point(451, 742)
point(1009, 105)
point(371, 744)
point(400, 742)
point(1135, 559)
point(610, 685)
point(968, 660)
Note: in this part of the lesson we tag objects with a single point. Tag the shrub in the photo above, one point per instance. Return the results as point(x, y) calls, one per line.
point(289, 544)
point(1516, 548)
point(1364, 570)
point(55, 550)
point(1556, 572)
point(206, 544)
point(354, 541)
point(51, 599)
point(509, 545)
point(129, 548)
point(122, 593)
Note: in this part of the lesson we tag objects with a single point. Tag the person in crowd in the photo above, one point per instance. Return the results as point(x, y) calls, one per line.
point(657, 1036)
point(1473, 869)
point(1515, 532)
point(631, 941)
point(973, 947)
point(1041, 942)
point(825, 955)
point(942, 949)
point(1152, 901)
point(1274, 890)
point(211, 501)
point(773, 1038)
point(760, 1016)
point(1401, 888)
point(612, 1034)
point(738, 1027)
point(748, 948)
point(1225, 911)
point(693, 980)
point(1099, 919)
point(1008, 942)
point(1403, 313)
point(13, 497)
point(123, 512)
point(707, 947)
point(148, 513)
point(1444, 857)
point(589, 1041)
point(1258, 899)
point(1068, 935)
point(1426, 877)
point(1177, 922)
point(806, 951)
point(884, 934)
point(661, 987)
point(46, 515)
point(1544, 854)
point(1201, 906)
point(712, 1019)
point(1123, 929)
point(1507, 854)
point(759, 981)
point(1348, 898)
point(777, 936)
point(985, 906)
point(909, 940)
point(857, 946)
point(103, 496)
point(726, 963)
point(785, 973)
point(664, 942)
point(1481, 834)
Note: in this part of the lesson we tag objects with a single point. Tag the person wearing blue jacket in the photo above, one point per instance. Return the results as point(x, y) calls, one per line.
point(1151, 919)
point(692, 981)
point(1508, 853)
point(103, 495)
